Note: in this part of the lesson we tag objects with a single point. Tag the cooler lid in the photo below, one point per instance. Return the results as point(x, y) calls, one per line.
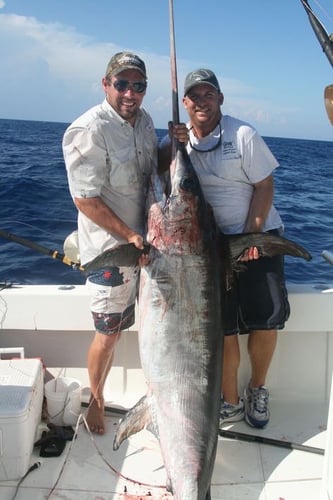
point(17, 381)
point(14, 401)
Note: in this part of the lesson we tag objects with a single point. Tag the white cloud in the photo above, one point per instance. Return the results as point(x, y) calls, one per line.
point(2, 4)
point(54, 73)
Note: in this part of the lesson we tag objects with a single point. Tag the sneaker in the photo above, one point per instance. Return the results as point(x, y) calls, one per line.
point(256, 406)
point(231, 413)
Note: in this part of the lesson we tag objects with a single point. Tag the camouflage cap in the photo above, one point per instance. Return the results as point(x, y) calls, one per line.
point(125, 60)
point(200, 76)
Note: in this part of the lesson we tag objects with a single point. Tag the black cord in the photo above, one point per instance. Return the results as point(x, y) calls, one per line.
point(33, 467)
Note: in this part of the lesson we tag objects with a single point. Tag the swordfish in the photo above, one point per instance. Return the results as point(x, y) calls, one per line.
point(180, 327)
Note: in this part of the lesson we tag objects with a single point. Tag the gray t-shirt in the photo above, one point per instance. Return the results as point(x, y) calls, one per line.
point(227, 173)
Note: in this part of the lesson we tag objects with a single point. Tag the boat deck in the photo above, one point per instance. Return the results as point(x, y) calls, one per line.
point(54, 324)
point(88, 468)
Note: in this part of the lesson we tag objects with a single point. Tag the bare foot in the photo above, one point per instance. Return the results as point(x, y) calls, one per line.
point(95, 416)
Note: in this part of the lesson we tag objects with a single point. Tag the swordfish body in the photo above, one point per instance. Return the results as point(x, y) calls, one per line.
point(180, 334)
point(180, 327)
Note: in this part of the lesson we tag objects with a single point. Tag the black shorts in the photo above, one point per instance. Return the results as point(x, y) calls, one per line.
point(258, 299)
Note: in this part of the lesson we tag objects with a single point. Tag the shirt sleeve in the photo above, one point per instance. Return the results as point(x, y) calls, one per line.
point(258, 160)
point(86, 161)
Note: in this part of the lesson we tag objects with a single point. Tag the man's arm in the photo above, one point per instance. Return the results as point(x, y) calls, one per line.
point(261, 202)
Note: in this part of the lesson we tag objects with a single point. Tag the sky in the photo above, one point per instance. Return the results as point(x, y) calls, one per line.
point(272, 70)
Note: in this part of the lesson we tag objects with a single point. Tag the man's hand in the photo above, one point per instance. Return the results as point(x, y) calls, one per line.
point(179, 132)
point(137, 240)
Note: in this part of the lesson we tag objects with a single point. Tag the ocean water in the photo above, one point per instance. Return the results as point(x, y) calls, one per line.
point(35, 203)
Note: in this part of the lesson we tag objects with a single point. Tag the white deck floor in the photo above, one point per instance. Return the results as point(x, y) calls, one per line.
point(50, 323)
point(89, 469)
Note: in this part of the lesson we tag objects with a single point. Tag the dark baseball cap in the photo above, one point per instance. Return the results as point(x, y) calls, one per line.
point(198, 77)
point(125, 60)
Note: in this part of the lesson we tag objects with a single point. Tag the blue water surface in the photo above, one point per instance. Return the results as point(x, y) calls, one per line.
point(36, 204)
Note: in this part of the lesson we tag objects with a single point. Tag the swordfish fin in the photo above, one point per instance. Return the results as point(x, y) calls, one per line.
point(135, 420)
point(267, 244)
point(124, 255)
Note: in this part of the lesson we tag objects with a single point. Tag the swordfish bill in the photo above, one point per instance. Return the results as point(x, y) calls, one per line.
point(180, 333)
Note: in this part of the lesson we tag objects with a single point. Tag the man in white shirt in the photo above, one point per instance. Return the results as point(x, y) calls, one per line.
point(235, 168)
point(109, 153)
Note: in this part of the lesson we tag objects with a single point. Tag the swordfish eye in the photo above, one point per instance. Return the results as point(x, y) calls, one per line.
point(189, 183)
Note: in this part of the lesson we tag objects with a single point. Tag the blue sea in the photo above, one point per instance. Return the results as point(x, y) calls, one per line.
point(36, 204)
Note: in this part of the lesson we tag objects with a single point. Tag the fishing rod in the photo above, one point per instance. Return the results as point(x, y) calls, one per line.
point(124, 255)
point(41, 249)
point(326, 42)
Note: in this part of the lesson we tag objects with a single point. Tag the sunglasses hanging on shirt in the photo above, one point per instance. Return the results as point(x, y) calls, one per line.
point(215, 146)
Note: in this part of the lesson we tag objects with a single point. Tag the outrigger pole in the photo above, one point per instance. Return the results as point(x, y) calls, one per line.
point(323, 37)
point(326, 43)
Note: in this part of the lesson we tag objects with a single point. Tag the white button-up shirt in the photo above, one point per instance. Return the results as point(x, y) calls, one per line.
point(105, 156)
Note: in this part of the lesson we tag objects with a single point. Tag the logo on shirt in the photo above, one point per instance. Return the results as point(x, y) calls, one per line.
point(229, 147)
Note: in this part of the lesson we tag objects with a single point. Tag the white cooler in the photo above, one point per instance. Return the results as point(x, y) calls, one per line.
point(21, 399)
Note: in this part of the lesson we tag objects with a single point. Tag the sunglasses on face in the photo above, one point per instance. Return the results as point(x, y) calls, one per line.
point(124, 85)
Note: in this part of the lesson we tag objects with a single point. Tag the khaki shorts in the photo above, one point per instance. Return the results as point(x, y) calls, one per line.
point(113, 294)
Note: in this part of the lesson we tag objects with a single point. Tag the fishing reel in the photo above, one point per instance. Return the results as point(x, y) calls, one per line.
point(71, 247)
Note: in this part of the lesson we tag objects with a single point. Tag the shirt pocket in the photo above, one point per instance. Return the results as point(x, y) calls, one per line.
point(124, 169)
